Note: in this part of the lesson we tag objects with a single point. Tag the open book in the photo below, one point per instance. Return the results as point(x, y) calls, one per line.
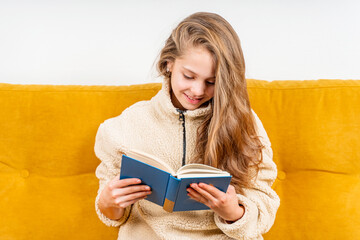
point(169, 187)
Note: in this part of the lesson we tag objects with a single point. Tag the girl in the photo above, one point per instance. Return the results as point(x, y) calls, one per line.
point(202, 114)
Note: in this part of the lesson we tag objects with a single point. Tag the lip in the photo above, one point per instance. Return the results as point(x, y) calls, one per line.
point(191, 100)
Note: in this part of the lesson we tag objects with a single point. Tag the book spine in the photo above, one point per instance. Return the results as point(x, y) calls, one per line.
point(171, 194)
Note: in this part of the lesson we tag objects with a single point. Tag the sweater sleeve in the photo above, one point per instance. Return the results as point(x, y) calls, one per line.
point(260, 201)
point(107, 149)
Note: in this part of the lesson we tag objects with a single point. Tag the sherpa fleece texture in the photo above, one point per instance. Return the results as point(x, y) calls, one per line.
point(154, 127)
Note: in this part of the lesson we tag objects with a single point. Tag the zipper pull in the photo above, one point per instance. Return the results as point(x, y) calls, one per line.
point(181, 114)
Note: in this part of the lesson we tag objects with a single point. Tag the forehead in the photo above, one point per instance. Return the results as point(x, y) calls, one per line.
point(197, 60)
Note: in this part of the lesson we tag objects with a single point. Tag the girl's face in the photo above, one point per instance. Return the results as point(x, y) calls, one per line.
point(192, 79)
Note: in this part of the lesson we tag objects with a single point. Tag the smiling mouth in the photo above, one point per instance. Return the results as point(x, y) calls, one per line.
point(192, 100)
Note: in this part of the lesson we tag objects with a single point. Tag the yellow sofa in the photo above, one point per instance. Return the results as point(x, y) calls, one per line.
point(47, 162)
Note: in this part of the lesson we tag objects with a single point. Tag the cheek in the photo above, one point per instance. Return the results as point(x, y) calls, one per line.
point(211, 92)
point(174, 84)
point(178, 84)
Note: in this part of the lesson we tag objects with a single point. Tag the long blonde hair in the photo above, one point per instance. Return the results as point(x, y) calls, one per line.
point(227, 138)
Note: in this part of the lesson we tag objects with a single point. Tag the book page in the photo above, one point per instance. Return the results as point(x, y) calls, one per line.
point(150, 159)
point(200, 170)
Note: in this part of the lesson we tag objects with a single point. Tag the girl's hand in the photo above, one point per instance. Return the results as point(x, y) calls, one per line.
point(224, 204)
point(122, 193)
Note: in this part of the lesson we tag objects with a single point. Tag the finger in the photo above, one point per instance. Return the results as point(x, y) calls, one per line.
point(130, 190)
point(128, 203)
point(203, 192)
point(196, 196)
point(124, 182)
point(131, 197)
point(216, 193)
point(231, 190)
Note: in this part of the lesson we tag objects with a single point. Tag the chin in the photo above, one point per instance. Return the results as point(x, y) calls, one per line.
point(187, 107)
point(190, 107)
point(193, 107)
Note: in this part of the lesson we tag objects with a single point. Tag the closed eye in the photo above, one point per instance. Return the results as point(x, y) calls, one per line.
point(187, 77)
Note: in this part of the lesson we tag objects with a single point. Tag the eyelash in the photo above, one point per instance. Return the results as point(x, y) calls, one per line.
point(187, 77)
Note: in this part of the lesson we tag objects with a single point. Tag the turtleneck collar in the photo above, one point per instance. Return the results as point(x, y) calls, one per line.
point(164, 104)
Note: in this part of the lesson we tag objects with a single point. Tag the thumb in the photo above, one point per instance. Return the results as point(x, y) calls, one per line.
point(231, 189)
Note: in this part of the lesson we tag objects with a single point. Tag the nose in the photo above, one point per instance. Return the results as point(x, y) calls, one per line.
point(198, 88)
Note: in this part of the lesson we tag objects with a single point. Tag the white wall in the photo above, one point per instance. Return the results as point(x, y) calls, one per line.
point(117, 42)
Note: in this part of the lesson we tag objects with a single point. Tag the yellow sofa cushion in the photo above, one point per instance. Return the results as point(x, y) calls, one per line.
point(314, 128)
point(47, 163)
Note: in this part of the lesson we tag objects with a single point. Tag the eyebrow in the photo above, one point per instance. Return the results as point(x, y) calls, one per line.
point(196, 73)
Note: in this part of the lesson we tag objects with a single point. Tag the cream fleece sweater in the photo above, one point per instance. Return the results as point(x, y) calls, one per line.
point(154, 127)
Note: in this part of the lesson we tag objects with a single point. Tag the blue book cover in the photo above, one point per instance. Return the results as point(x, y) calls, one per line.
point(169, 188)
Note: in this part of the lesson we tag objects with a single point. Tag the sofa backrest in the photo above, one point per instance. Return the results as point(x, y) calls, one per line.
point(314, 128)
point(47, 162)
